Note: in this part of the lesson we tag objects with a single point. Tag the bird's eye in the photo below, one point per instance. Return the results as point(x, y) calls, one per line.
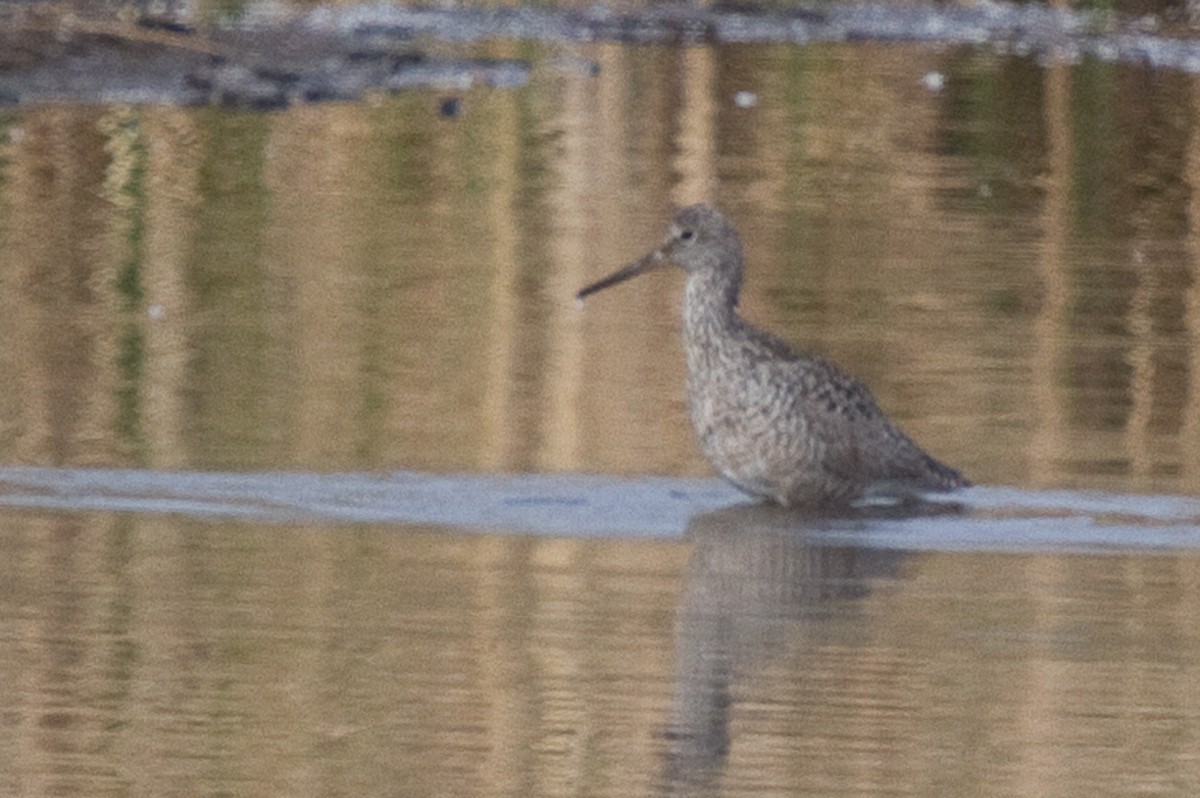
point(687, 235)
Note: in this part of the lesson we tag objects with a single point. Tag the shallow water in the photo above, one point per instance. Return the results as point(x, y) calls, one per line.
point(173, 655)
point(342, 287)
point(315, 481)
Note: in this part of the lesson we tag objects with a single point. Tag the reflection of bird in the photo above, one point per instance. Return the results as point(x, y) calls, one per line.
point(762, 583)
point(780, 424)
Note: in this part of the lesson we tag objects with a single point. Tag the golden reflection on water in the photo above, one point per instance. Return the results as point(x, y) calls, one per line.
point(161, 656)
point(1009, 262)
point(369, 285)
point(167, 657)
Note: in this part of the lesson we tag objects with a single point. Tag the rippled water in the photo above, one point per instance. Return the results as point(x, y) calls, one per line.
point(159, 655)
point(340, 287)
point(315, 481)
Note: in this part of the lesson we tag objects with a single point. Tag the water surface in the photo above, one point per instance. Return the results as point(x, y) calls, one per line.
point(315, 481)
point(166, 655)
point(1007, 261)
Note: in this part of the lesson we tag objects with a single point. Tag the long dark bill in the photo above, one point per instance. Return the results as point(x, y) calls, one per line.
point(648, 263)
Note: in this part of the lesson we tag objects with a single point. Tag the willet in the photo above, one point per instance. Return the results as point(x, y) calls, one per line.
point(778, 423)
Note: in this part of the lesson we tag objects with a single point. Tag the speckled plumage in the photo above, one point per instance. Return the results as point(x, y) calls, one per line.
point(781, 424)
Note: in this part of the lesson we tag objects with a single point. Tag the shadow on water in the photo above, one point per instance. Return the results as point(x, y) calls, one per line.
point(759, 581)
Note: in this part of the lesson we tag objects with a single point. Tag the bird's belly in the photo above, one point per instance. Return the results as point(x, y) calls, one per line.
point(761, 448)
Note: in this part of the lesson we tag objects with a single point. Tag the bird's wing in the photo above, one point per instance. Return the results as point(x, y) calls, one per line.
point(862, 445)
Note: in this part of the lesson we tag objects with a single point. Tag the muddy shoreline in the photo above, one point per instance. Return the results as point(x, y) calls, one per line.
point(268, 60)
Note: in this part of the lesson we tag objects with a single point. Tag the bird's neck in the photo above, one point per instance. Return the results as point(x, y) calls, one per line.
point(710, 318)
